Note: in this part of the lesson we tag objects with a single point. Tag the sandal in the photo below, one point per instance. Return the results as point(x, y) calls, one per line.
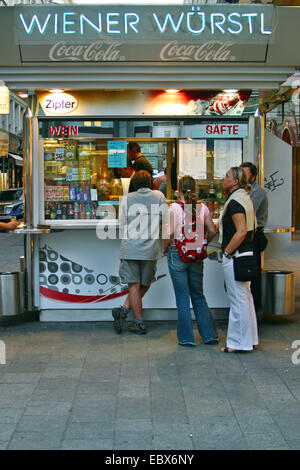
point(226, 350)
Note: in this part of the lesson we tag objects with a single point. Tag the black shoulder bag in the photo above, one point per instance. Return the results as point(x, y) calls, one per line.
point(246, 267)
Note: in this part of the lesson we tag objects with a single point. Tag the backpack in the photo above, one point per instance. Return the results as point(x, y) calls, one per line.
point(186, 254)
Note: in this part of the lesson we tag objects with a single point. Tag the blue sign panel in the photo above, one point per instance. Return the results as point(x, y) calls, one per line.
point(117, 154)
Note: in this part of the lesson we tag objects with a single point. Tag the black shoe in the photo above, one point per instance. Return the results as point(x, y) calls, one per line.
point(212, 342)
point(119, 319)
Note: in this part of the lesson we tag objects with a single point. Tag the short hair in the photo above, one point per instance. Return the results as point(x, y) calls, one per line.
point(239, 174)
point(141, 179)
point(251, 166)
point(134, 145)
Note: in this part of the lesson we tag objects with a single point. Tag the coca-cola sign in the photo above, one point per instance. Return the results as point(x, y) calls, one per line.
point(106, 51)
point(98, 51)
point(210, 51)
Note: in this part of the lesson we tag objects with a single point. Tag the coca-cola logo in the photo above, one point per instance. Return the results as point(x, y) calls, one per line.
point(210, 51)
point(98, 51)
point(107, 51)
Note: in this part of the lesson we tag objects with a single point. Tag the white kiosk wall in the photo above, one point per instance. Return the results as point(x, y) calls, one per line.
point(278, 184)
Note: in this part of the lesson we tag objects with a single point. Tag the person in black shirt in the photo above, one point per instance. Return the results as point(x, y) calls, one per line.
point(138, 161)
point(237, 224)
point(260, 202)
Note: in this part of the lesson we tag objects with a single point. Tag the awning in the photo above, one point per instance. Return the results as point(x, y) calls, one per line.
point(18, 158)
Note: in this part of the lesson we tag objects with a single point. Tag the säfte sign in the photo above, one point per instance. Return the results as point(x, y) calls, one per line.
point(221, 130)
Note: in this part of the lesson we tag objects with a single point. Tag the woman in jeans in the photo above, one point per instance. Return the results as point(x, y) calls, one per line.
point(236, 237)
point(187, 278)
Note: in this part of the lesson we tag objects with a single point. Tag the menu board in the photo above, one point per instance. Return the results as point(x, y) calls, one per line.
point(117, 154)
point(192, 158)
point(227, 153)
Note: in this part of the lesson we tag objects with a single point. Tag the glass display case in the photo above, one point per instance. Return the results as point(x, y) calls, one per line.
point(77, 179)
point(79, 182)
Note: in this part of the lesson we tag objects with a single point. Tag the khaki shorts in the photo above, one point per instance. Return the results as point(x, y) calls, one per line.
point(142, 271)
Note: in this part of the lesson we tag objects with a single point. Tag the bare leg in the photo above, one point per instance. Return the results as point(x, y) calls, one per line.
point(143, 290)
point(135, 299)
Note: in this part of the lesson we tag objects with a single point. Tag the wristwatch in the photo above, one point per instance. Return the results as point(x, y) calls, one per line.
point(227, 255)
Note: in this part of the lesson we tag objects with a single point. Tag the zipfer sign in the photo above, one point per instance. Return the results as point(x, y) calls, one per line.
point(123, 33)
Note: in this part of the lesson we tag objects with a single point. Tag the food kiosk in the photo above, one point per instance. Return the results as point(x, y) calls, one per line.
point(75, 138)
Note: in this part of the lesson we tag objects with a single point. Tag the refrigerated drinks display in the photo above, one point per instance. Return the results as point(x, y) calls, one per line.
point(77, 179)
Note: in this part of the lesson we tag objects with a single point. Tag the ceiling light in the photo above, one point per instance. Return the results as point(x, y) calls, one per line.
point(172, 90)
point(230, 90)
point(23, 95)
point(56, 90)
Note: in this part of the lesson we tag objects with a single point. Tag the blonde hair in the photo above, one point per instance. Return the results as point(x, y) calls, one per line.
point(187, 186)
point(239, 174)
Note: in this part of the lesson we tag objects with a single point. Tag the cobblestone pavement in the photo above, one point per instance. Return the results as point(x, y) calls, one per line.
point(81, 386)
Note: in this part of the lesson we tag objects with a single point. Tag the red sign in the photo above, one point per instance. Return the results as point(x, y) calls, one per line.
point(220, 130)
point(64, 131)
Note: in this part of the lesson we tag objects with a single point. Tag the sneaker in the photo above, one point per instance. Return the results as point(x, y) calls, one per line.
point(119, 319)
point(138, 328)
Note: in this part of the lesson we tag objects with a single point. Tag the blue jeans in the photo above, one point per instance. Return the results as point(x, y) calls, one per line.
point(187, 279)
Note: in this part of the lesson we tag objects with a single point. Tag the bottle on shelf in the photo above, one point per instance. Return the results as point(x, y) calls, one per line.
point(94, 210)
point(53, 212)
point(76, 210)
point(88, 211)
point(212, 191)
point(47, 210)
point(58, 211)
point(64, 212)
point(70, 212)
point(219, 193)
point(82, 211)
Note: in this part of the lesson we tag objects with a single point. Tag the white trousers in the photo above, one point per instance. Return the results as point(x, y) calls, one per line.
point(242, 328)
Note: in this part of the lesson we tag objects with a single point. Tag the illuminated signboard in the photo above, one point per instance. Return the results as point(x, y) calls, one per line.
point(59, 103)
point(4, 99)
point(210, 33)
point(71, 22)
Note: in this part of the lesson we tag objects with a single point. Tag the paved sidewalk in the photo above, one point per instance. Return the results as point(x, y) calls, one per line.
point(81, 386)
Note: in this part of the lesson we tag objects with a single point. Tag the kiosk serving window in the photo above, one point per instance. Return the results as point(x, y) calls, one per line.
point(81, 175)
point(86, 168)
